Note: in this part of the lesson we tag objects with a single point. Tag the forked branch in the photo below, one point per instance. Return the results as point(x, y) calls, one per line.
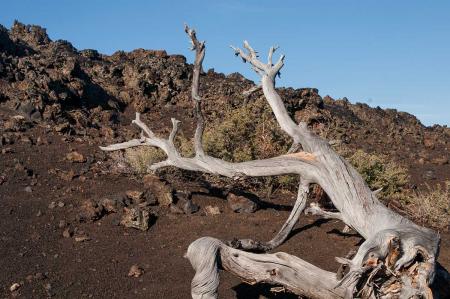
point(199, 48)
point(397, 258)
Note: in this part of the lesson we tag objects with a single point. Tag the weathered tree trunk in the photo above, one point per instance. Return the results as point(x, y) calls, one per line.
point(397, 258)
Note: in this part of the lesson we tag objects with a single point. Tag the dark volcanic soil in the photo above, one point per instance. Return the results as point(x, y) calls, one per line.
point(35, 254)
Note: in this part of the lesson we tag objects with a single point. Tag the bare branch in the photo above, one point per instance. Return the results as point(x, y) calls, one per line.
point(251, 58)
point(250, 50)
point(295, 274)
point(300, 134)
point(199, 48)
point(281, 236)
point(124, 145)
point(143, 126)
point(156, 166)
point(314, 209)
point(294, 148)
point(271, 51)
point(174, 131)
point(302, 165)
point(376, 192)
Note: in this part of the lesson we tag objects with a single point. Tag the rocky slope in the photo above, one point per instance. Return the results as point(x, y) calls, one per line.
point(85, 93)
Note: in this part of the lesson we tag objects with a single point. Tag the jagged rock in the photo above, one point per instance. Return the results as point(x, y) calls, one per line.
point(91, 211)
point(136, 218)
point(210, 210)
point(90, 54)
point(114, 203)
point(189, 207)
point(62, 128)
point(184, 204)
point(135, 271)
point(175, 209)
point(150, 197)
point(30, 34)
point(29, 111)
point(67, 175)
point(160, 189)
point(135, 196)
point(67, 233)
point(241, 204)
point(82, 238)
point(16, 123)
point(14, 287)
point(75, 157)
point(52, 78)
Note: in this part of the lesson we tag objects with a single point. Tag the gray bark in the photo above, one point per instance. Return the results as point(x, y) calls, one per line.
point(397, 259)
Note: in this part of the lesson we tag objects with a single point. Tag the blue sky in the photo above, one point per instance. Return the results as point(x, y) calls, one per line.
point(393, 54)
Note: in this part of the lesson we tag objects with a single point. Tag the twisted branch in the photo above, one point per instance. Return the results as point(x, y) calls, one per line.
point(199, 48)
point(397, 259)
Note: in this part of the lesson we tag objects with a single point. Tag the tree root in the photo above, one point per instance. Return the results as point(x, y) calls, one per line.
point(378, 270)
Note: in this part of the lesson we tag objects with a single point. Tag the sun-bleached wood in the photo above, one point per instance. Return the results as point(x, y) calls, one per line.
point(397, 258)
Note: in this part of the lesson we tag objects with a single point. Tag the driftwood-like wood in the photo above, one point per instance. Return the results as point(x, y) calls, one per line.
point(397, 258)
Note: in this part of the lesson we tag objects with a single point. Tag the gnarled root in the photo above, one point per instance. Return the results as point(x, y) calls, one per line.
point(393, 264)
point(207, 254)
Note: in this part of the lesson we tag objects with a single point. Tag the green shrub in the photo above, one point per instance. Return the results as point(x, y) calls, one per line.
point(246, 133)
point(251, 132)
point(378, 172)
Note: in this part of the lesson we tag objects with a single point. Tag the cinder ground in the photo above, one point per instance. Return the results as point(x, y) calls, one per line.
point(34, 253)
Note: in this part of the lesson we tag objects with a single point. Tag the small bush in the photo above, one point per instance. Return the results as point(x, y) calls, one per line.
point(431, 207)
point(185, 146)
point(246, 133)
point(141, 157)
point(251, 132)
point(378, 172)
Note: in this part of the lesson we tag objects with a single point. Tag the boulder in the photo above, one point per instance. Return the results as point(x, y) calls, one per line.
point(160, 189)
point(136, 218)
point(241, 204)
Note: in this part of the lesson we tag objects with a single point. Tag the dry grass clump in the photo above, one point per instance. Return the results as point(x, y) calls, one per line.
point(185, 146)
point(141, 157)
point(432, 206)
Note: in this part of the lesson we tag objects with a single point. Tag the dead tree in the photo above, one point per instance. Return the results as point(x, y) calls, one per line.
point(397, 258)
